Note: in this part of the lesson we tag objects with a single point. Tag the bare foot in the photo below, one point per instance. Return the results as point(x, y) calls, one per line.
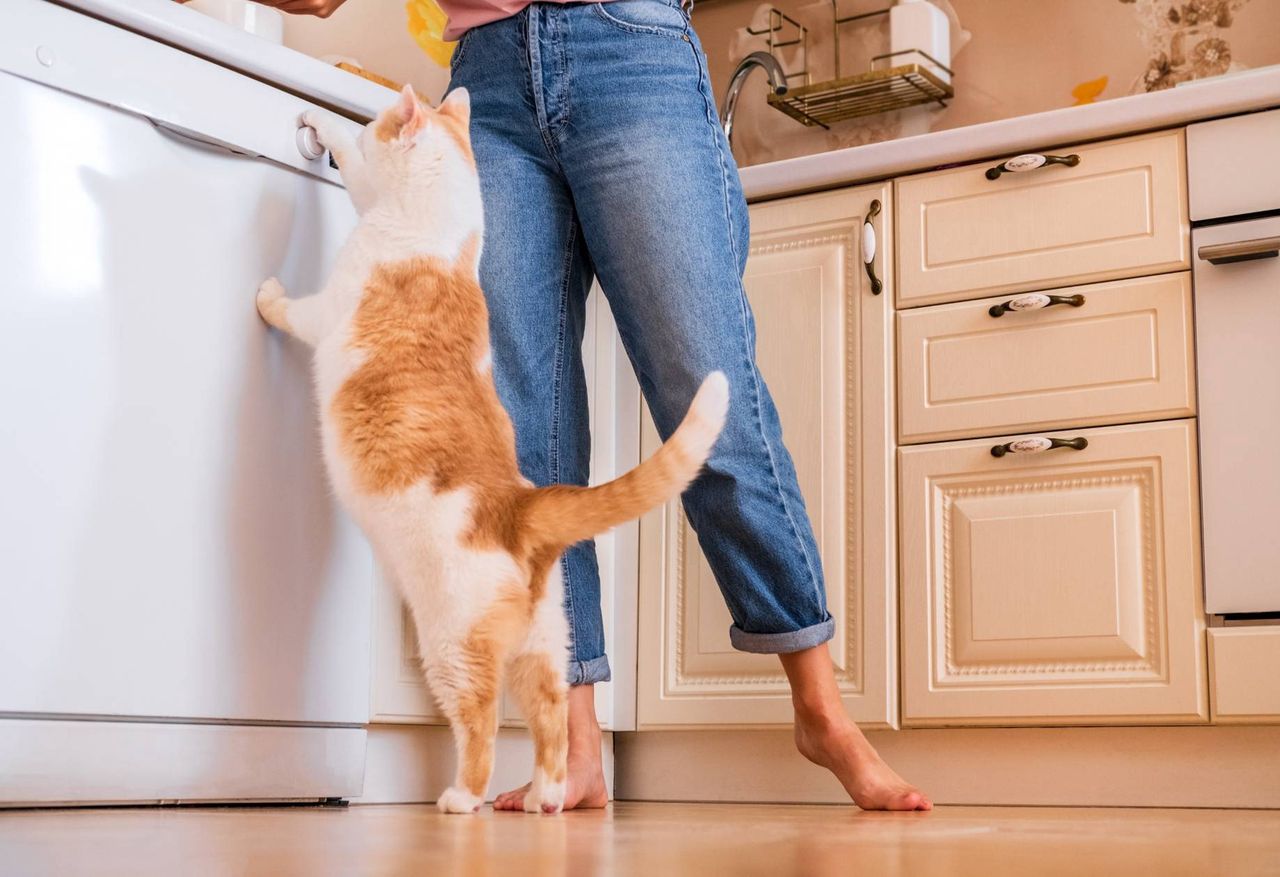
point(584, 784)
point(841, 748)
point(828, 737)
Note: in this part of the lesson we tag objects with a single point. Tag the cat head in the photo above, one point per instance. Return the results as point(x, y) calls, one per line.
point(410, 144)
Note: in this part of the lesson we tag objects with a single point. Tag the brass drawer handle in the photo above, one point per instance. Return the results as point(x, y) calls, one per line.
point(1038, 444)
point(1029, 162)
point(869, 247)
point(1240, 251)
point(1034, 302)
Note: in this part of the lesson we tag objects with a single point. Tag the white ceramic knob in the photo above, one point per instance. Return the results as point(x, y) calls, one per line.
point(1022, 163)
point(1030, 445)
point(1032, 302)
point(309, 143)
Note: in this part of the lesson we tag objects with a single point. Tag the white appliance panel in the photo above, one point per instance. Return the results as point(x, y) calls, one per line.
point(169, 544)
point(1238, 372)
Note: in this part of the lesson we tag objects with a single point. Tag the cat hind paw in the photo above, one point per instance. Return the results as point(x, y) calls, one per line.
point(455, 800)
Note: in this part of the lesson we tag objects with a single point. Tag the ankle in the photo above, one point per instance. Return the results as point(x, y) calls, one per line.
point(820, 715)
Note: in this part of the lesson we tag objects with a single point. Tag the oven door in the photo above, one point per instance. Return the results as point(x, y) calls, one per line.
point(1237, 295)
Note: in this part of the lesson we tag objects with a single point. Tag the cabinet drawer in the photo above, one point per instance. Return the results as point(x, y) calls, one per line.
point(1059, 587)
point(1231, 165)
point(1243, 663)
point(1120, 212)
point(1125, 354)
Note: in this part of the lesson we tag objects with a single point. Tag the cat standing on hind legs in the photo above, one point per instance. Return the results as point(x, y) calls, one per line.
point(422, 454)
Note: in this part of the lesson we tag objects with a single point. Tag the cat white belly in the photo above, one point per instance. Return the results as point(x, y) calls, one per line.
point(420, 539)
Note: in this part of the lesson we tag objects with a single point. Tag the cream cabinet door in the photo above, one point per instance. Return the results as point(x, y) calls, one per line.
point(398, 691)
point(1058, 587)
point(825, 347)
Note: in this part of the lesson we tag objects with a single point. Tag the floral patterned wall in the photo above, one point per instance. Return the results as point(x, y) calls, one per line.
point(1011, 58)
point(1185, 40)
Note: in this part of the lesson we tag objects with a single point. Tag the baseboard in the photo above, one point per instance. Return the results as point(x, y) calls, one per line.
point(1098, 767)
point(411, 764)
point(49, 762)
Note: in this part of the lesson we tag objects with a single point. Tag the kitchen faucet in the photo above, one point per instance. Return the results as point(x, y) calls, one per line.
point(777, 81)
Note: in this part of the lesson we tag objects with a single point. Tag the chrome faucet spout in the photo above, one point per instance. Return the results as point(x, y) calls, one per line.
point(773, 70)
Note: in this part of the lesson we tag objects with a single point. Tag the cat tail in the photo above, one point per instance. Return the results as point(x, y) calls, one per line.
point(561, 515)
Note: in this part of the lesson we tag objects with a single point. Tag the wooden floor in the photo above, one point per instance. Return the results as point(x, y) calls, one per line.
point(634, 838)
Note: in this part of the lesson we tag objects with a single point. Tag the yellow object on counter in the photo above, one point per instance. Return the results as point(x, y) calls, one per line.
point(1087, 92)
point(427, 22)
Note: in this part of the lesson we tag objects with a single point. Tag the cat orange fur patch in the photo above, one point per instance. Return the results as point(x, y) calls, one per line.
point(417, 408)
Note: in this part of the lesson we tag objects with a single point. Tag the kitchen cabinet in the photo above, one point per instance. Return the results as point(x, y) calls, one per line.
point(1058, 587)
point(825, 348)
point(1119, 211)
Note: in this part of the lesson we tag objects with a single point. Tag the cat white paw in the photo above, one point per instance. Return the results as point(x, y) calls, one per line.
point(269, 301)
point(455, 800)
point(544, 796)
point(312, 119)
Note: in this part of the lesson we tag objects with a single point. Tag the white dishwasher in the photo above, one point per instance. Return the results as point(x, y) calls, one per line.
point(1235, 208)
point(184, 611)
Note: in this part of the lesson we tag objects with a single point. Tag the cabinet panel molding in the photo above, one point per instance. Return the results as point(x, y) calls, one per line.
point(1054, 588)
point(824, 346)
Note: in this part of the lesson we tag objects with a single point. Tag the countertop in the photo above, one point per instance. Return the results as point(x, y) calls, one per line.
point(1205, 99)
point(194, 32)
point(170, 22)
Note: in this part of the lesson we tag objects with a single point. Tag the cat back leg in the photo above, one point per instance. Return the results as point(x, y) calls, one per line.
point(538, 683)
point(467, 681)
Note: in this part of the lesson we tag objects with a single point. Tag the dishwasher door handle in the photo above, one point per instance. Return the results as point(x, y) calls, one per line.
point(1240, 251)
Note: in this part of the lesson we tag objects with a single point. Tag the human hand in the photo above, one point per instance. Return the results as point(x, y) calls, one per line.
point(318, 8)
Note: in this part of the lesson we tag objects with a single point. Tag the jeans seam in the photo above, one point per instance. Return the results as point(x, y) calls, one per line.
point(565, 91)
point(533, 39)
point(742, 312)
point(459, 52)
point(566, 269)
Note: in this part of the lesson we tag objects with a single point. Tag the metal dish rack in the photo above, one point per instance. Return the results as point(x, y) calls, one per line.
point(846, 97)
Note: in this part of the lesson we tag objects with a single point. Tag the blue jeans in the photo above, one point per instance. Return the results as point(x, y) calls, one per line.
point(596, 136)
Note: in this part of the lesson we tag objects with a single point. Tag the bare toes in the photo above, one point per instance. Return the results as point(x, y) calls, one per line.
point(512, 800)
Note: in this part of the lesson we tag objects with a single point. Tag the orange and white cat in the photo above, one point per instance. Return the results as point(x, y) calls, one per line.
point(422, 454)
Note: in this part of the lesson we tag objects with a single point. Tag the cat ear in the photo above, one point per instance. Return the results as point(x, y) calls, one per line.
point(457, 104)
point(412, 115)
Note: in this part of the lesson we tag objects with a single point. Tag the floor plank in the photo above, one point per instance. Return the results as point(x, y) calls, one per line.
point(640, 838)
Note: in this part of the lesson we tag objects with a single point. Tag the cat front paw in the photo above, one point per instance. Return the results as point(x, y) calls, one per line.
point(318, 122)
point(456, 800)
point(271, 302)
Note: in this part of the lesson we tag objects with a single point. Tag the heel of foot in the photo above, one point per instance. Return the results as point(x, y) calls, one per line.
point(455, 800)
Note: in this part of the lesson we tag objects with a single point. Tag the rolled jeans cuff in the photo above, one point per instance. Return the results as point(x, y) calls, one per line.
point(783, 643)
point(589, 672)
